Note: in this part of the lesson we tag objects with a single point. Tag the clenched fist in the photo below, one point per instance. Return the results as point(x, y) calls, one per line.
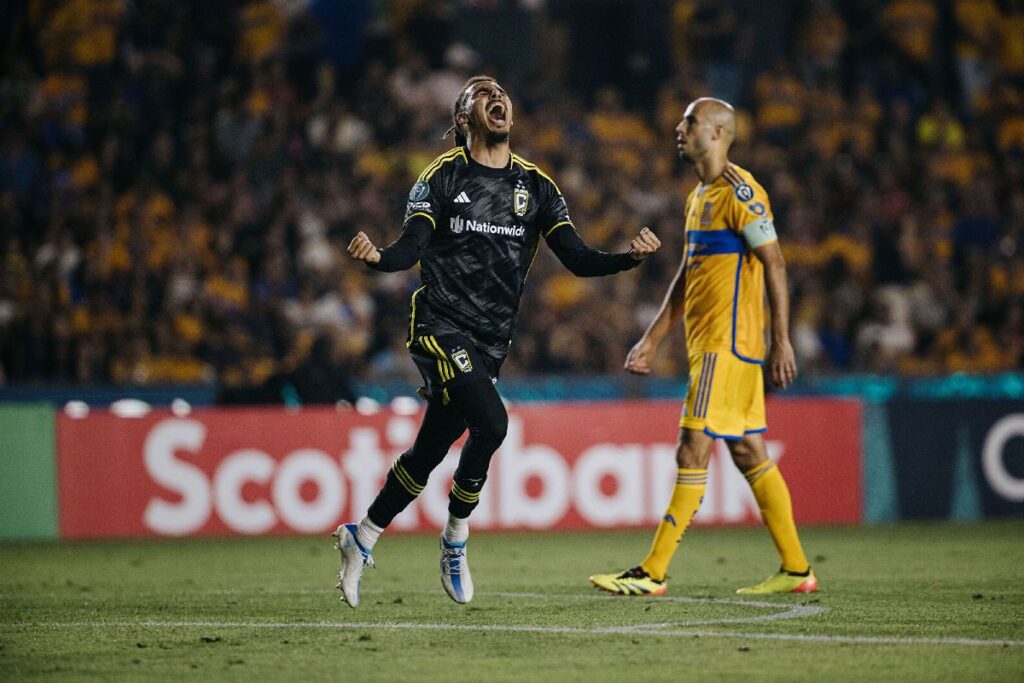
point(362, 248)
point(644, 244)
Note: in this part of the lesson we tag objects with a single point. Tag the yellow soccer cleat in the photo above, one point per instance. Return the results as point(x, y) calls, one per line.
point(633, 581)
point(783, 582)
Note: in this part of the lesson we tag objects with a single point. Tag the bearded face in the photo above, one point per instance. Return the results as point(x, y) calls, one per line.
point(488, 112)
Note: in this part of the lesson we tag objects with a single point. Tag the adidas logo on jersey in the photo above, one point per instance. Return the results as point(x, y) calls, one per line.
point(463, 198)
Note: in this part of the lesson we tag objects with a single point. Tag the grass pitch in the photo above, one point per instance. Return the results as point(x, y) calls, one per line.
point(920, 602)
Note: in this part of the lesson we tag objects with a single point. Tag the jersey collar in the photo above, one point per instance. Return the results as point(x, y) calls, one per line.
point(719, 181)
point(480, 169)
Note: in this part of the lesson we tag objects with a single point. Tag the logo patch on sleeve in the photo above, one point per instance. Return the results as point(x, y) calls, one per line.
point(461, 358)
point(419, 191)
point(744, 192)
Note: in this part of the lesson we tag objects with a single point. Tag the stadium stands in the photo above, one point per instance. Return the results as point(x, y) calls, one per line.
point(178, 181)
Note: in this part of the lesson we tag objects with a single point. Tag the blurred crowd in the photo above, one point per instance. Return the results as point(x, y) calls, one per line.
point(179, 180)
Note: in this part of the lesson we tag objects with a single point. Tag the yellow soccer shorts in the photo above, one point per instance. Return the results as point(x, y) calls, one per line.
point(725, 398)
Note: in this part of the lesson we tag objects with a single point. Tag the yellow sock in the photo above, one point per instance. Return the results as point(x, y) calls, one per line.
point(772, 496)
point(686, 497)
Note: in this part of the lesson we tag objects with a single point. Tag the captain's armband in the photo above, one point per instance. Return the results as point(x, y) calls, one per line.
point(758, 232)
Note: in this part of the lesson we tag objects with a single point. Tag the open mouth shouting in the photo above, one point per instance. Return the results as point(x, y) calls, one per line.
point(497, 115)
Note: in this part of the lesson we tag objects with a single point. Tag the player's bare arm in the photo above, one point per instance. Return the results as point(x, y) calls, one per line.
point(781, 358)
point(362, 249)
point(641, 356)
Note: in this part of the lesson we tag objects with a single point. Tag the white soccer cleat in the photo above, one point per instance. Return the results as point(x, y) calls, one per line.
point(455, 577)
point(353, 558)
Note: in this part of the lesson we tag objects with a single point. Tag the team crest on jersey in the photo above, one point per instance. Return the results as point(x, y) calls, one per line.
point(461, 358)
point(705, 218)
point(419, 191)
point(520, 200)
point(744, 192)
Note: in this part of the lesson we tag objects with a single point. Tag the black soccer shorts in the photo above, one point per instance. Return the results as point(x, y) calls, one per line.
point(448, 360)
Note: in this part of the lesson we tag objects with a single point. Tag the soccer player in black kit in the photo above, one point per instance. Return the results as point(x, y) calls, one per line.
point(474, 221)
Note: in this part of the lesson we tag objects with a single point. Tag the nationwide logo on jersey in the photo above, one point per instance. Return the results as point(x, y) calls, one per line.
point(461, 358)
point(520, 199)
point(744, 192)
point(458, 225)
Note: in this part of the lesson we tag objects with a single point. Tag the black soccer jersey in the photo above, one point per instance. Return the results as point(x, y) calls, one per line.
point(475, 231)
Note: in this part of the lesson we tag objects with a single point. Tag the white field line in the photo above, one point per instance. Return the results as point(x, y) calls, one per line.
point(664, 629)
point(497, 628)
point(788, 611)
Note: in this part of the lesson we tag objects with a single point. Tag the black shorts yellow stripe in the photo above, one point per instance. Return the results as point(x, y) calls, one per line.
point(444, 366)
point(412, 315)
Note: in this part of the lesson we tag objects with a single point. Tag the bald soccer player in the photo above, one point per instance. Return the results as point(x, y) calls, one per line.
point(732, 254)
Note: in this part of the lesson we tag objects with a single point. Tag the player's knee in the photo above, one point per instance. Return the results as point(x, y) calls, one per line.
point(745, 455)
point(501, 427)
point(690, 458)
point(693, 450)
point(740, 451)
point(491, 433)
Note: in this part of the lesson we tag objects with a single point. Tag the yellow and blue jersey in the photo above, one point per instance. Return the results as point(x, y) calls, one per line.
point(724, 304)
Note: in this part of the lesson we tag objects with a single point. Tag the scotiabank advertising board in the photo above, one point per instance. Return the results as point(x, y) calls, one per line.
point(562, 466)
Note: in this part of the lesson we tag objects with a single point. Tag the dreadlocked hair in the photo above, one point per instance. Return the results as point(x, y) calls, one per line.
point(457, 129)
